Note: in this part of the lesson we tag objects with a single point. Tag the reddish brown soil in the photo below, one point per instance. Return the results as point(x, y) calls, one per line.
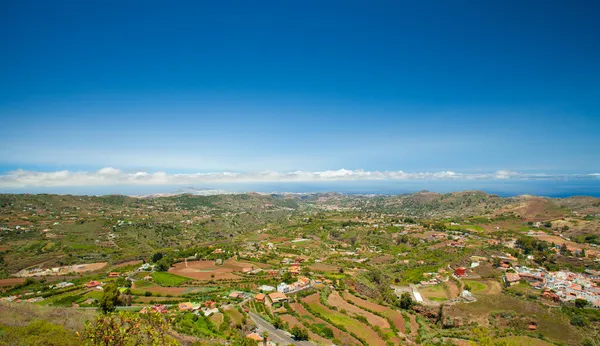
point(397, 319)
point(292, 321)
point(322, 267)
point(336, 300)
point(158, 299)
point(367, 333)
point(11, 282)
point(453, 289)
point(364, 303)
point(208, 270)
point(344, 337)
point(203, 270)
point(382, 259)
point(162, 290)
point(129, 263)
point(90, 267)
point(393, 315)
point(414, 326)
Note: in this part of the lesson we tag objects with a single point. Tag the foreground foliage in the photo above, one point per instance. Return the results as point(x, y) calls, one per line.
point(38, 332)
point(126, 328)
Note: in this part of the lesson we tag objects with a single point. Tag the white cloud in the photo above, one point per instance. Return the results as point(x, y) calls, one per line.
point(112, 176)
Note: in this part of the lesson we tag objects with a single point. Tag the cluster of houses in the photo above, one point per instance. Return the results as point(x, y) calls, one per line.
point(161, 308)
point(206, 308)
point(558, 286)
point(301, 283)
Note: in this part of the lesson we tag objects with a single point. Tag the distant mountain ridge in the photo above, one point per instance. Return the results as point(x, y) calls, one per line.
point(423, 204)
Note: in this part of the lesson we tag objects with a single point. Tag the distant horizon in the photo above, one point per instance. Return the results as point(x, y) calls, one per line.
point(512, 189)
point(109, 180)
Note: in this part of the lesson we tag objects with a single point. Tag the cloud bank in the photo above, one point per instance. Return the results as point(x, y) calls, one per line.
point(111, 176)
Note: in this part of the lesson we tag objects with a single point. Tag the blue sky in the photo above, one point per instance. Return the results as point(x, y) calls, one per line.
point(470, 87)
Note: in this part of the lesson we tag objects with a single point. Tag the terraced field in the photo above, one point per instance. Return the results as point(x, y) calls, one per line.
point(357, 327)
point(292, 321)
point(176, 291)
point(392, 314)
point(345, 338)
point(336, 300)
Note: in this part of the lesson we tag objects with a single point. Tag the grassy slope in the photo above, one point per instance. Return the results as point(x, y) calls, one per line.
point(168, 279)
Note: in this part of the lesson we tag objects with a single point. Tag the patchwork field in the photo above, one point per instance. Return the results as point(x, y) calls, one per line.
point(208, 270)
point(336, 300)
point(129, 263)
point(435, 293)
point(559, 241)
point(292, 322)
point(203, 270)
point(168, 279)
point(364, 303)
point(484, 287)
point(11, 282)
point(147, 300)
point(349, 323)
point(344, 337)
point(140, 287)
point(392, 314)
point(475, 286)
point(322, 267)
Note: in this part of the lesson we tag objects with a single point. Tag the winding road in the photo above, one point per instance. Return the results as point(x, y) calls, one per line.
point(275, 335)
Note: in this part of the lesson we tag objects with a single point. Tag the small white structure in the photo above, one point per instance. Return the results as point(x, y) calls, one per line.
point(283, 288)
point(266, 288)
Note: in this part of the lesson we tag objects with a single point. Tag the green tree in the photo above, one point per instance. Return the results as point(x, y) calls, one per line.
point(123, 282)
point(300, 334)
point(406, 301)
point(110, 298)
point(580, 303)
point(277, 323)
point(578, 321)
point(162, 265)
point(156, 257)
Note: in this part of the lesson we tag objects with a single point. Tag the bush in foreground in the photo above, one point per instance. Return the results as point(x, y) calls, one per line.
point(127, 328)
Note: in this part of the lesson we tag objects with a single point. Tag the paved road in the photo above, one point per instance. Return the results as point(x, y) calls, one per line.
point(275, 335)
